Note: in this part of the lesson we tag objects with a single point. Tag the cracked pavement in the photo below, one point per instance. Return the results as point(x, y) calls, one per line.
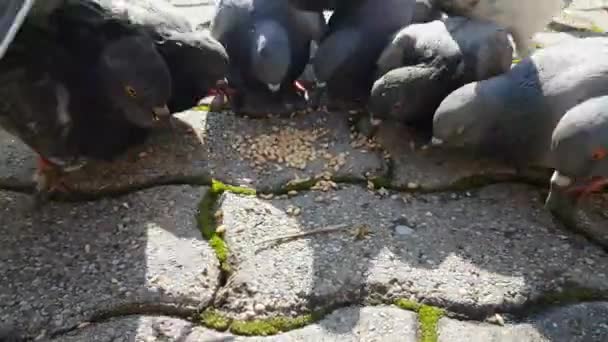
point(341, 228)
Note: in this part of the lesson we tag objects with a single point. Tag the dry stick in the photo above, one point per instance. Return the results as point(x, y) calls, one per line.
point(328, 229)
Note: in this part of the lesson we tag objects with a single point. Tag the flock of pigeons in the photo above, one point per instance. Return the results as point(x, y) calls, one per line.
point(86, 79)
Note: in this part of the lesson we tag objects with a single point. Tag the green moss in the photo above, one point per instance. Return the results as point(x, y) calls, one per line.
point(212, 319)
point(218, 188)
point(270, 326)
point(406, 304)
point(295, 185)
point(381, 182)
point(215, 320)
point(201, 108)
point(221, 251)
point(207, 223)
point(596, 29)
point(428, 319)
point(573, 294)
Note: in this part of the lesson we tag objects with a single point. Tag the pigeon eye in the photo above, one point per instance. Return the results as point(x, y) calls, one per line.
point(130, 91)
point(599, 154)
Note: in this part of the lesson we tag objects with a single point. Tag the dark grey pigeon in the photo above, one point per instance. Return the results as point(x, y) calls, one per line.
point(579, 149)
point(197, 61)
point(424, 63)
point(512, 116)
point(345, 62)
point(12, 15)
point(268, 43)
point(70, 108)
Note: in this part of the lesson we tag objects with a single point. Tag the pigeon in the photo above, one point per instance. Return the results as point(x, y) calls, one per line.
point(268, 44)
point(70, 108)
point(579, 149)
point(424, 63)
point(512, 116)
point(197, 62)
point(522, 18)
point(345, 62)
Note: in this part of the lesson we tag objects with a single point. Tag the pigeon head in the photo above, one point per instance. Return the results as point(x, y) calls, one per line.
point(579, 149)
point(406, 94)
point(459, 119)
point(270, 54)
point(389, 95)
point(136, 79)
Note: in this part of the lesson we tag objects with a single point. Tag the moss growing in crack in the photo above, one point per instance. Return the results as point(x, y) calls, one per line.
point(271, 326)
point(215, 320)
point(596, 29)
point(573, 294)
point(407, 304)
point(302, 185)
point(207, 223)
point(381, 182)
point(428, 319)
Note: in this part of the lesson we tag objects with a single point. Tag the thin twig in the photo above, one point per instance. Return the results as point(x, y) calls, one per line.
point(328, 229)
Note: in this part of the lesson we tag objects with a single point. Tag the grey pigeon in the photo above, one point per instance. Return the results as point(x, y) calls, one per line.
point(345, 62)
point(512, 116)
point(579, 149)
point(424, 63)
point(268, 43)
point(197, 61)
point(72, 107)
point(522, 18)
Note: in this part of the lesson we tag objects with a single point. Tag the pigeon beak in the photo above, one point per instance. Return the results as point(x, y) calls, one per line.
point(560, 201)
point(161, 113)
point(375, 122)
point(274, 87)
point(436, 141)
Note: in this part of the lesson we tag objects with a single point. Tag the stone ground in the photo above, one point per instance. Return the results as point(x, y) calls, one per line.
point(346, 239)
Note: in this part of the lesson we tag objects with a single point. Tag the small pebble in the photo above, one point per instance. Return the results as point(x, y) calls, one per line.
point(259, 307)
point(404, 230)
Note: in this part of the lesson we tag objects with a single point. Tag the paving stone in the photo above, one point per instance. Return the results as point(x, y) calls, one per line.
point(546, 39)
point(370, 324)
point(328, 133)
point(142, 329)
point(592, 218)
point(70, 262)
point(576, 323)
point(431, 168)
point(205, 145)
point(586, 14)
point(495, 261)
point(17, 162)
point(374, 324)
